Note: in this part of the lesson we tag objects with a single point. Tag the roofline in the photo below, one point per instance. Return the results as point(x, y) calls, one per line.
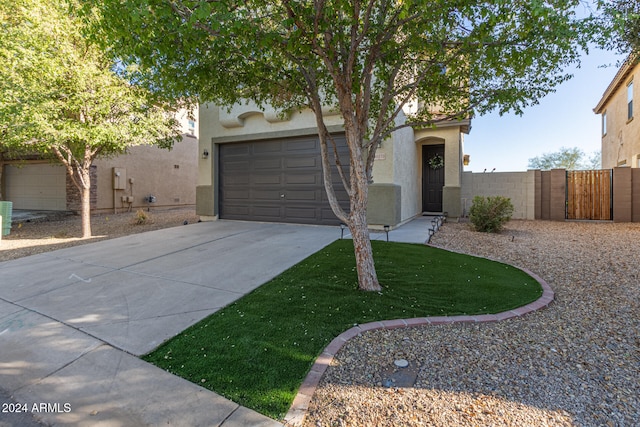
point(626, 68)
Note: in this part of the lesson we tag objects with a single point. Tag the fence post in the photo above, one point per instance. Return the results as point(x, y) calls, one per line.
point(622, 194)
point(538, 192)
point(635, 195)
point(558, 202)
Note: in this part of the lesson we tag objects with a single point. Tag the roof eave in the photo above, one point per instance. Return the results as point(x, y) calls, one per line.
point(621, 75)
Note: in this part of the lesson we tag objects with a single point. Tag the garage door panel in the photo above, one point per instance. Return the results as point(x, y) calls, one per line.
point(264, 179)
point(240, 194)
point(265, 194)
point(327, 215)
point(240, 180)
point(267, 213)
point(302, 195)
point(302, 214)
point(233, 166)
point(236, 150)
point(309, 163)
point(238, 210)
point(310, 145)
point(267, 147)
point(270, 169)
point(302, 179)
point(273, 164)
point(341, 194)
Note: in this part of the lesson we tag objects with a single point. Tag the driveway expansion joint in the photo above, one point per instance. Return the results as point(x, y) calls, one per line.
point(300, 405)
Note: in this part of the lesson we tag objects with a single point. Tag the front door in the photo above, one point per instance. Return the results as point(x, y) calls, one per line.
point(432, 177)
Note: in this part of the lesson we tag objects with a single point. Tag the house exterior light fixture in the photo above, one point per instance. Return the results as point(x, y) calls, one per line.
point(205, 154)
point(465, 159)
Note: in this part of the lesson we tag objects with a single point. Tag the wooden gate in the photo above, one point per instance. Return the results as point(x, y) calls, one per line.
point(589, 194)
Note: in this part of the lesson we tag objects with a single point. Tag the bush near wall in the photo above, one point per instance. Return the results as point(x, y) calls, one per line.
point(489, 214)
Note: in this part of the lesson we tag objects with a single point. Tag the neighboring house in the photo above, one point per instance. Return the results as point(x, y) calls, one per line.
point(618, 108)
point(169, 176)
point(264, 167)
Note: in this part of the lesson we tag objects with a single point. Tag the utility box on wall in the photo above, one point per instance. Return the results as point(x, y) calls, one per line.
point(119, 179)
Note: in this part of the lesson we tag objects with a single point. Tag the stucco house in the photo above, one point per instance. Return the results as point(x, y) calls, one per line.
point(264, 167)
point(620, 129)
point(119, 183)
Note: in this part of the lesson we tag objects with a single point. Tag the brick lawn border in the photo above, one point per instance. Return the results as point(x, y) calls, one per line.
point(300, 405)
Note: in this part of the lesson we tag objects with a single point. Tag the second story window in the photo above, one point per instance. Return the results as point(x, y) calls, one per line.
point(604, 123)
point(630, 101)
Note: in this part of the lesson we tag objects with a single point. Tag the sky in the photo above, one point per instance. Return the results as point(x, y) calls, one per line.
point(564, 118)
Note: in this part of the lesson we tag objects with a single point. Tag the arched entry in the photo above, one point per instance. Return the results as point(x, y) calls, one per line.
point(432, 177)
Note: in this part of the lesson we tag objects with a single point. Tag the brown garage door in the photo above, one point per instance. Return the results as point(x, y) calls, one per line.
point(277, 181)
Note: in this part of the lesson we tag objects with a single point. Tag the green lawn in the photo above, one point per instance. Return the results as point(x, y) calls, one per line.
point(258, 350)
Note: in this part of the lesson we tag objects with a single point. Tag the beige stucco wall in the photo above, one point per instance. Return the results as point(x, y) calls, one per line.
point(169, 175)
point(395, 164)
point(621, 143)
point(248, 122)
point(405, 171)
point(518, 186)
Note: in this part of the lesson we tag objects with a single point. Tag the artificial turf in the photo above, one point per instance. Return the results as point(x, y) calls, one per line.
point(258, 350)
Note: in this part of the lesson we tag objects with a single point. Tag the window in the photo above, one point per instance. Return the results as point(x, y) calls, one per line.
point(604, 123)
point(630, 101)
point(192, 127)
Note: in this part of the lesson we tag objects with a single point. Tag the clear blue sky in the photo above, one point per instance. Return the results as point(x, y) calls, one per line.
point(561, 119)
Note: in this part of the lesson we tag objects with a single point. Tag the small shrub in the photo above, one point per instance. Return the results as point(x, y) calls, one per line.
point(142, 217)
point(489, 214)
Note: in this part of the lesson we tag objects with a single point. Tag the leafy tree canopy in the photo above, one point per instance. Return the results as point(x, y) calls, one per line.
point(60, 96)
point(59, 92)
point(566, 158)
point(458, 56)
point(621, 21)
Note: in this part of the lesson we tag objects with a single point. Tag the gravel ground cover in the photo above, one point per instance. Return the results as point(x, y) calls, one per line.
point(576, 363)
point(62, 230)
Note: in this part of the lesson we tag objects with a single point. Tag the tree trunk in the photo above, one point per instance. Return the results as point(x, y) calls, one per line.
point(367, 276)
point(358, 225)
point(358, 190)
point(85, 207)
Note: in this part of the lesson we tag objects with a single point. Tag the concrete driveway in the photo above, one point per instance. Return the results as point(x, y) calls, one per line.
point(73, 320)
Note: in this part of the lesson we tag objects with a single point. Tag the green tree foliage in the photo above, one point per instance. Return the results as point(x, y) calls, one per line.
point(566, 158)
point(621, 22)
point(366, 59)
point(61, 99)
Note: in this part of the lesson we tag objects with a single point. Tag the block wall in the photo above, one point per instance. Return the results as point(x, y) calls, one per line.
point(518, 186)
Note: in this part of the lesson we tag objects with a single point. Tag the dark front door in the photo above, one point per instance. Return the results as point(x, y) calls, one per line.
point(432, 177)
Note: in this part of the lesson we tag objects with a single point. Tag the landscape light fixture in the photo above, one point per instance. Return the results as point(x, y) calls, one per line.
point(386, 230)
point(342, 227)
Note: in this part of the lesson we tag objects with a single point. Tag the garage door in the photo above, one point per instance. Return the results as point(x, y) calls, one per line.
point(277, 181)
point(36, 186)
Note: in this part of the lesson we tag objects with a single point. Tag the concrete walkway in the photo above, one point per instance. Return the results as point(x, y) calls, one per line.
point(414, 231)
point(73, 321)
